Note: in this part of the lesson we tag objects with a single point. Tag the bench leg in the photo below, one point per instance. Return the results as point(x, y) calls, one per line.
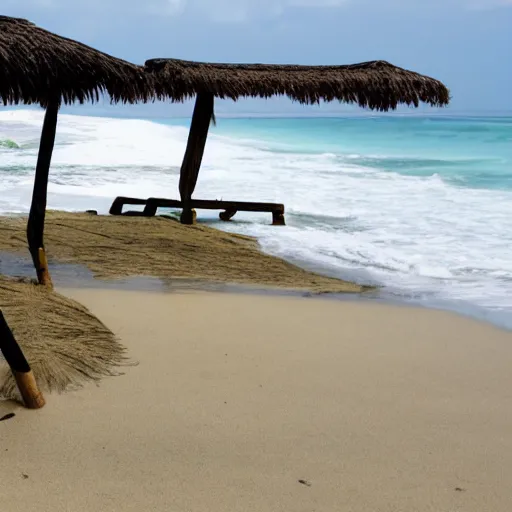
point(150, 209)
point(188, 217)
point(117, 206)
point(278, 219)
point(227, 215)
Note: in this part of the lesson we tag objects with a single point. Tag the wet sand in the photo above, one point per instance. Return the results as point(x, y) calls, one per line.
point(257, 403)
point(114, 247)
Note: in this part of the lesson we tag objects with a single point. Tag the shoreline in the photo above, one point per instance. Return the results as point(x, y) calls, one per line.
point(182, 287)
point(66, 273)
point(68, 276)
point(120, 247)
point(357, 225)
point(179, 286)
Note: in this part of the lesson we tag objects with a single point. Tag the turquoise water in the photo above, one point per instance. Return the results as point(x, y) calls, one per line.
point(421, 206)
point(471, 152)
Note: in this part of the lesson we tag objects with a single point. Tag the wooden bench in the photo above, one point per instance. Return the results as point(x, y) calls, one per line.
point(230, 208)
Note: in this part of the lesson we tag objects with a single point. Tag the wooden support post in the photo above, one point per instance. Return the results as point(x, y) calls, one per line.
point(188, 216)
point(43, 274)
point(35, 225)
point(20, 368)
point(201, 118)
point(278, 219)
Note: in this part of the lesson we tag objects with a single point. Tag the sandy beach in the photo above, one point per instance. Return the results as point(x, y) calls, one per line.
point(258, 403)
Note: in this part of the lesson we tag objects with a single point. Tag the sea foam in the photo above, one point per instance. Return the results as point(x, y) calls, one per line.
point(351, 213)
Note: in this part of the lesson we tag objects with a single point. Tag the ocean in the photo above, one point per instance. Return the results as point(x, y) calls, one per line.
point(421, 206)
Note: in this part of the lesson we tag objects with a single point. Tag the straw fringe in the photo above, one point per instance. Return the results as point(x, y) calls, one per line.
point(65, 344)
point(36, 65)
point(376, 85)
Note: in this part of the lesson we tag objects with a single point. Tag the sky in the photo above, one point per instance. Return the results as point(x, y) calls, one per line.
point(465, 43)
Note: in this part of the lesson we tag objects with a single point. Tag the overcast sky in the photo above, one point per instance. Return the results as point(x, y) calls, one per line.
point(465, 43)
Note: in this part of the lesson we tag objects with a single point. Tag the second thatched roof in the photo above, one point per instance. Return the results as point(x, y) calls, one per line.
point(36, 65)
point(376, 85)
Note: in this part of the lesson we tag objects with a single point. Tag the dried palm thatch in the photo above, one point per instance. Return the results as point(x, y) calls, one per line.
point(37, 65)
point(117, 246)
point(376, 85)
point(64, 343)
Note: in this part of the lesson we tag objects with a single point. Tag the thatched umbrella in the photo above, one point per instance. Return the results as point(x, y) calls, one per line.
point(39, 67)
point(375, 85)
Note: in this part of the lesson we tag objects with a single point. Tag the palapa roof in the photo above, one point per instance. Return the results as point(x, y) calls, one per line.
point(36, 64)
point(376, 85)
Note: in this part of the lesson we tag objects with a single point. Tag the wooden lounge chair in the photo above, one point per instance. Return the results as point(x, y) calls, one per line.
point(230, 208)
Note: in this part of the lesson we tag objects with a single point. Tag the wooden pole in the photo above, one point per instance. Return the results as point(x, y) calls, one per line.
point(20, 368)
point(203, 114)
point(35, 225)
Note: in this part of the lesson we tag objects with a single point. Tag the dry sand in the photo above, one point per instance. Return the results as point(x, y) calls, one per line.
point(238, 398)
point(113, 246)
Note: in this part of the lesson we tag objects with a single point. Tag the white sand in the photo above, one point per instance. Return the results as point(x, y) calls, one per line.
point(236, 398)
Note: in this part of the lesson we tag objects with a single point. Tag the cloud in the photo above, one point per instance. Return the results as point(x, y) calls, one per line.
point(316, 3)
point(163, 7)
point(234, 10)
point(488, 4)
point(242, 10)
point(237, 11)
